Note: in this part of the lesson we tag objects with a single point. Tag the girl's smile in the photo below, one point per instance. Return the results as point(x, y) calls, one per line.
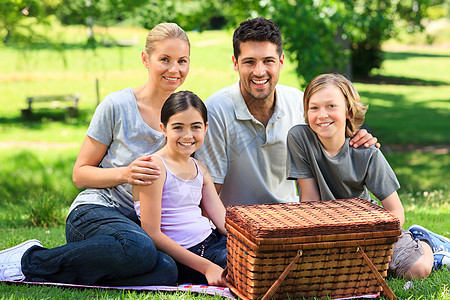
point(185, 131)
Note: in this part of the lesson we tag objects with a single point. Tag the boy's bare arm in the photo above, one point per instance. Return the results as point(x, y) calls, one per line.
point(393, 204)
point(309, 189)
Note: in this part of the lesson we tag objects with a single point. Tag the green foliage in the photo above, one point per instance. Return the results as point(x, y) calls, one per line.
point(155, 12)
point(18, 17)
point(190, 15)
point(314, 35)
point(321, 36)
point(327, 35)
point(104, 12)
point(436, 12)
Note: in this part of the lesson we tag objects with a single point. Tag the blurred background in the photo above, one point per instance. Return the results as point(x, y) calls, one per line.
point(396, 52)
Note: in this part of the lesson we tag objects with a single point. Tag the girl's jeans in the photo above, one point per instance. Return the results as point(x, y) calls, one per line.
point(103, 248)
point(213, 248)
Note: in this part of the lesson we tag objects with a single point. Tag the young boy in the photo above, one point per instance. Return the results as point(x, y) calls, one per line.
point(326, 167)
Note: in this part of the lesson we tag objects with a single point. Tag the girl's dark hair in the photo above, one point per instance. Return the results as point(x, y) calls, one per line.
point(181, 101)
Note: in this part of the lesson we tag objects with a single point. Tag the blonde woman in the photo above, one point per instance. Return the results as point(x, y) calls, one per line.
point(105, 243)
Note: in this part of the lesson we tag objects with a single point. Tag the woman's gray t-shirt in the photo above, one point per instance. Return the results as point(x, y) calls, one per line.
point(118, 124)
point(351, 173)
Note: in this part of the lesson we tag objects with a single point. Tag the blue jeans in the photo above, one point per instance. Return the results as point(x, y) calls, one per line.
point(214, 249)
point(103, 248)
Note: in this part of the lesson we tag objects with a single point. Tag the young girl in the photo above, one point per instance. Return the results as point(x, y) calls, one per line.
point(326, 168)
point(169, 208)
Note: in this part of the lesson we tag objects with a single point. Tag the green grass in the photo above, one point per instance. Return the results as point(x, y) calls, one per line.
point(408, 98)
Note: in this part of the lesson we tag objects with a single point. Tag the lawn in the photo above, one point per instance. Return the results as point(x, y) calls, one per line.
point(408, 99)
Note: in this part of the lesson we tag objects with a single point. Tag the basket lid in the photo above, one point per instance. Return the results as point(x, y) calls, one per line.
point(311, 218)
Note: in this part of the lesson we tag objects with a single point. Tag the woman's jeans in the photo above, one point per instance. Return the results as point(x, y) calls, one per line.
point(214, 249)
point(103, 248)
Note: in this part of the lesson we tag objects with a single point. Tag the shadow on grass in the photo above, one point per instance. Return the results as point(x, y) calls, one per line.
point(68, 46)
point(405, 55)
point(397, 80)
point(41, 116)
point(395, 120)
point(421, 171)
point(403, 80)
point(29, 174)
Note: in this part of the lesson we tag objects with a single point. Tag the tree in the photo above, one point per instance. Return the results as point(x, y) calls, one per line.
point(375, 22)
point(328, 35)
point(18, 17)
point(105, 12)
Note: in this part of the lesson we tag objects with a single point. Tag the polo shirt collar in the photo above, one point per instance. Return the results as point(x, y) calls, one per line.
point(241, 110)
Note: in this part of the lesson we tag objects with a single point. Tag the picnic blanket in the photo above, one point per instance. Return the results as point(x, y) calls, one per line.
point(195, 288)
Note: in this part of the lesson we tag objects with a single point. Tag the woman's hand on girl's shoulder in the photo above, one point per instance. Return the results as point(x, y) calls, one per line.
point(142, 171)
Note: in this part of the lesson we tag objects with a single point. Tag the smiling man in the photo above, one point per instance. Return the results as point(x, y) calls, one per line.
point(245, 146)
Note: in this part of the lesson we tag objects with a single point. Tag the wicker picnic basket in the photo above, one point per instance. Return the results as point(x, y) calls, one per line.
point(334, 248)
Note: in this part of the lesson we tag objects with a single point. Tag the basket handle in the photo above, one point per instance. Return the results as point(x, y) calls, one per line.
point(271, 291)
point(386, 289)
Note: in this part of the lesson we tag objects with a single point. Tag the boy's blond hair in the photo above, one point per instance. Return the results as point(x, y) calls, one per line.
point(356, 110)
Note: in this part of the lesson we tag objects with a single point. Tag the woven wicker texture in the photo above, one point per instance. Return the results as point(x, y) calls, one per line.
point(311, 218)
point(263, 240)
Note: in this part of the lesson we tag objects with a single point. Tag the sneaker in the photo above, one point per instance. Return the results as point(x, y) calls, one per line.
point(441, 259)
point(11, 261)
point(437, 242)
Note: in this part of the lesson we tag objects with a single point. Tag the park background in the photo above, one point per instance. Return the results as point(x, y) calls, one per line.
point(397, 53)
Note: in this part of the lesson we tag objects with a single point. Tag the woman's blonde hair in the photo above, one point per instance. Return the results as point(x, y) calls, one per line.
point(164, 31)
point(356, 110)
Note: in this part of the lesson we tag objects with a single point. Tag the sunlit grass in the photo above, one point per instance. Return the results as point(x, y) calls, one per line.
point(409, 104)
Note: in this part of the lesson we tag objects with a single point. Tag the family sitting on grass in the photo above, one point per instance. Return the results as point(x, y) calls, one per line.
point(139, 220)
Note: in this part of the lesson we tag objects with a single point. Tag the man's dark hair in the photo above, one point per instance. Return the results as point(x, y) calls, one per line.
point(257, 30)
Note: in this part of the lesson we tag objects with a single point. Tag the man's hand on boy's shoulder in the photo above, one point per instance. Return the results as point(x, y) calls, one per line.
point(362, 137)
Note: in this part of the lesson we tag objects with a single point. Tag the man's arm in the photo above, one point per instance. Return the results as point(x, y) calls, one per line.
point(213, 153)
point(218, 187)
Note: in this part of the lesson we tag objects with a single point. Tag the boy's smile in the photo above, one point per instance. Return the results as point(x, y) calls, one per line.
point(327, 115)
